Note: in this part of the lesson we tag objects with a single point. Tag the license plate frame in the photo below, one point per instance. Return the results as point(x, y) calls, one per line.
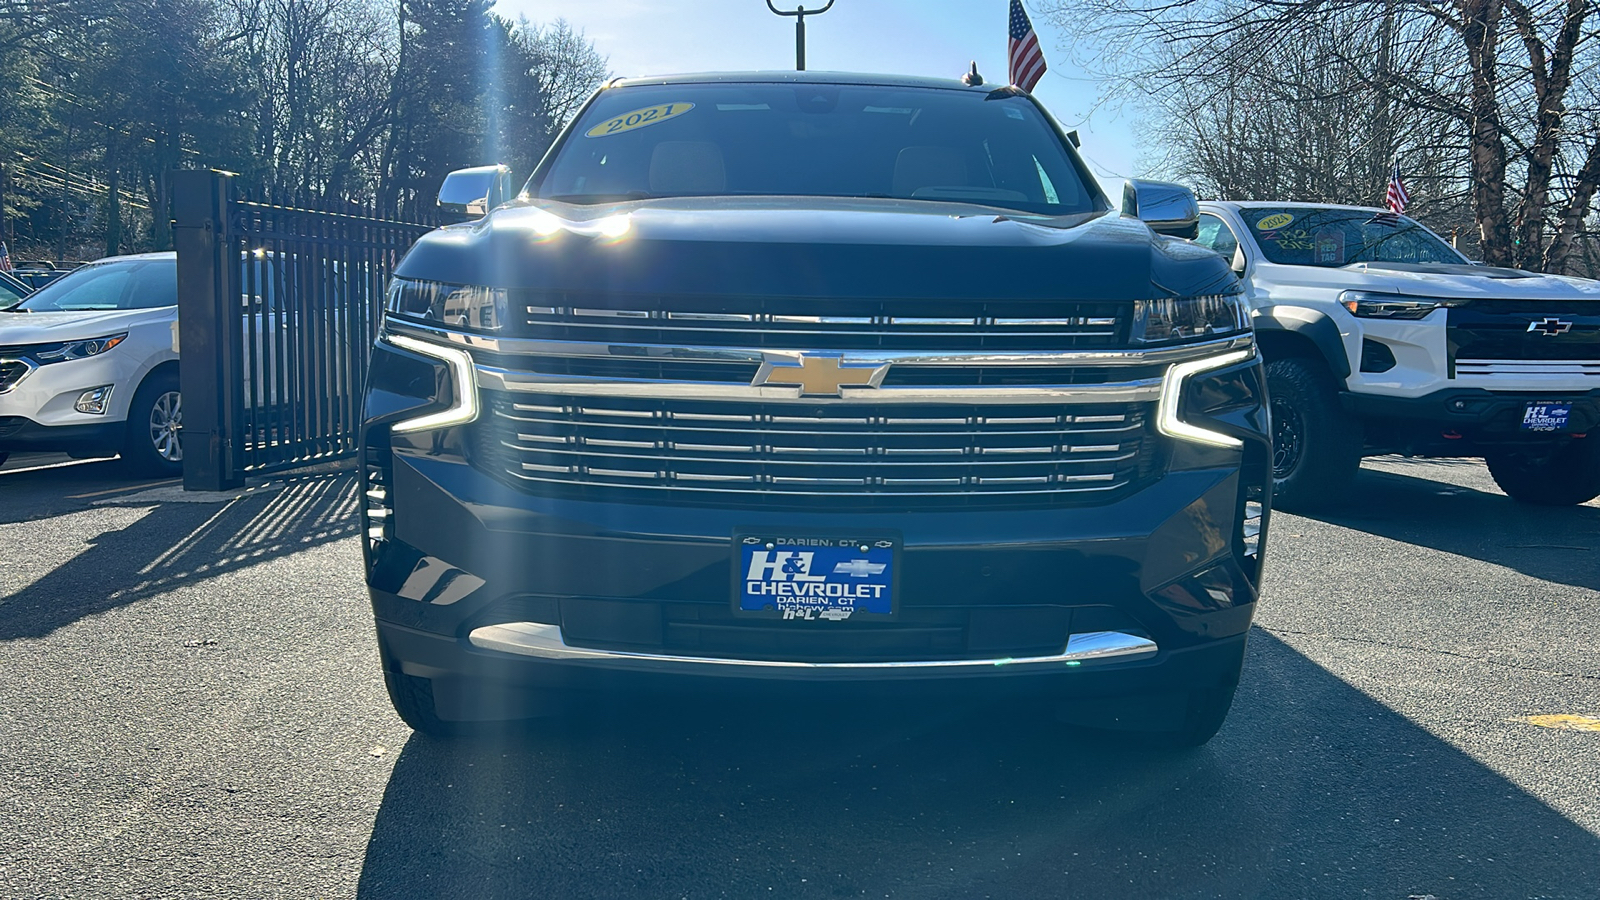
point(1546, 418)
point(803, 565)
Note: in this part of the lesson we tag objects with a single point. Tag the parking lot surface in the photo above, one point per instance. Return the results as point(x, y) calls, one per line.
point(192, 708)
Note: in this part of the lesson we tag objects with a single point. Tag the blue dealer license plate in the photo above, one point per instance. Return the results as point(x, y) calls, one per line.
point(815, 578)
point(1546, 416)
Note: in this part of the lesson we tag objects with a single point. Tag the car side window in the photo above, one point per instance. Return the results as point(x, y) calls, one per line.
point(1215, 234)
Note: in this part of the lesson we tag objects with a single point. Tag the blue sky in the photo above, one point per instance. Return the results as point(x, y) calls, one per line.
point(913, 37)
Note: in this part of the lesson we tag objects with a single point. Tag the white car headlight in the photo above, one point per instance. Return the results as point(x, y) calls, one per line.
point(70, 350)
point(1369, 305)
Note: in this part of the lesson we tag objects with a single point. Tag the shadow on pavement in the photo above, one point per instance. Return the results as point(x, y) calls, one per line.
point(1311, 790)
point(1553, 543)
point(42, 486)
point(175, 543)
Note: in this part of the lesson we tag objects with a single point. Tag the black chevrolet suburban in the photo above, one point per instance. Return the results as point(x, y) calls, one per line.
point(819, 382)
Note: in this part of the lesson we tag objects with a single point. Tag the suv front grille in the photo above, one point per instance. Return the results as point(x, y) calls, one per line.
point(11, 372)
point(822, 324)
point(759, 453)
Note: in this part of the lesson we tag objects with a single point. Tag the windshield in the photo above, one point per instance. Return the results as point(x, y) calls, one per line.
point(1308, 236)
point(818, 140)
point(125, 284)
point(9, 294)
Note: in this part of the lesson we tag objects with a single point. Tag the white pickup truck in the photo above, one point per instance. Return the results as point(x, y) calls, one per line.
point(1381, 338)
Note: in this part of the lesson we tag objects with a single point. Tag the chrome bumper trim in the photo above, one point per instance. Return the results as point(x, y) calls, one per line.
point(1141, 391)
point(756, 356)
point(545, 642)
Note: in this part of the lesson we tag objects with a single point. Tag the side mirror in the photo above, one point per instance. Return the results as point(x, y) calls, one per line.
point(1166, 207)
point(1238, 263)
point(475, 191)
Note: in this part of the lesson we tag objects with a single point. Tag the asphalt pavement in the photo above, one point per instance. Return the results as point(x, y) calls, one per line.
point(190, 706)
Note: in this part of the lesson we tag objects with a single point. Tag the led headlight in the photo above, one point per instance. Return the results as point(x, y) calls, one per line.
point(1169, 420)
point(1189, 318)
point(455, 305)
point(70, 350)
point(1392, 306)
point(463, 385)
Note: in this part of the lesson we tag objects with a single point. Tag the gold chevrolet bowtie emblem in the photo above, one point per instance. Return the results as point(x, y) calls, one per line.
point(820, 374)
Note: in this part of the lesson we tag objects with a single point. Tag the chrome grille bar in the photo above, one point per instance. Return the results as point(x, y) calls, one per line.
point(814, 450)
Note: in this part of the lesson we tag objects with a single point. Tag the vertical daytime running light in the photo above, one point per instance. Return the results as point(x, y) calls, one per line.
point(464, 379)
point(1178, 374)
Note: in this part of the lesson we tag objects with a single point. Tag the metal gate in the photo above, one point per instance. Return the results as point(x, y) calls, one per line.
point(277, 311)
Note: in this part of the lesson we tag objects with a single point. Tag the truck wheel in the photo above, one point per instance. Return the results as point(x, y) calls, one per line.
point(1163, 721)
point(413, 700)
point(416, 700)
point(1567, 477)
point(155, 419)
point(1316, 446)
point(1202, 718)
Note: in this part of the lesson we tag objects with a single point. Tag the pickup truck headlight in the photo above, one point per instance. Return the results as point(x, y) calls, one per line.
point(1170, 319)
point(44, 354)
point(455, 305)
point(1392, 306)
point(463, 407)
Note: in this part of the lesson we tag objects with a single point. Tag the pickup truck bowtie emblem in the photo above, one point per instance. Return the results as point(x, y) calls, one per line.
point(1549, 327)
point(820, 374)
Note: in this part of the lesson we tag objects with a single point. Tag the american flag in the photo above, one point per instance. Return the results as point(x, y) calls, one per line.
point(1027, 62)
point(5, 258)
point(1397, 197)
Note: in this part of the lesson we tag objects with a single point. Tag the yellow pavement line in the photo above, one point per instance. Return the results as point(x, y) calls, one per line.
point(132, 487)
point(1565, 721)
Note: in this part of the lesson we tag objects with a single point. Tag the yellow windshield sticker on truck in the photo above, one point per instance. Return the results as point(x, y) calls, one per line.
point(639, 118)
point(1274, 222)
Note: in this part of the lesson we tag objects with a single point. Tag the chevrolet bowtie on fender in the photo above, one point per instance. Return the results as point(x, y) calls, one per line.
point(818, 383)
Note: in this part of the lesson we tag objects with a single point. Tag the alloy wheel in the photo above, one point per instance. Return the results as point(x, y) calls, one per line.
point(1288, 441)
point(166, 420)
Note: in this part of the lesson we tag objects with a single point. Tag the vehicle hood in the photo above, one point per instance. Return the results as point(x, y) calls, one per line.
point(810, 247)
point(1430, 280)
point(50, 327)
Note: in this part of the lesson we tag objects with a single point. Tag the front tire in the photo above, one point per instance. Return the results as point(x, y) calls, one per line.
point(413, 700)
point(1567, 477)
point(1316, 445)
point(155, 421)
point(1174, 720)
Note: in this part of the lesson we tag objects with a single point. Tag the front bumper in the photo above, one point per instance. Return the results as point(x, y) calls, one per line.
point(474, 580)
point(21, 434)
point(1466, 421)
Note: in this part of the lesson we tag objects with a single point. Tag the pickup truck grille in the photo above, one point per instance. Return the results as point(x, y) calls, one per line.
point(760, 453)
point(825, 324)
point(1497, 331)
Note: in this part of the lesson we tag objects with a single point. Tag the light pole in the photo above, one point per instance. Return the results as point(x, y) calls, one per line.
point(799, 14)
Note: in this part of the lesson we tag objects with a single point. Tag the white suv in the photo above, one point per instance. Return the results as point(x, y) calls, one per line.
point(88, 365)
point(1381, 338)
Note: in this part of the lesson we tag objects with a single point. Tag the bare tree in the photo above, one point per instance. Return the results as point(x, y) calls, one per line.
point(568, 66)
point(1474, 95)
